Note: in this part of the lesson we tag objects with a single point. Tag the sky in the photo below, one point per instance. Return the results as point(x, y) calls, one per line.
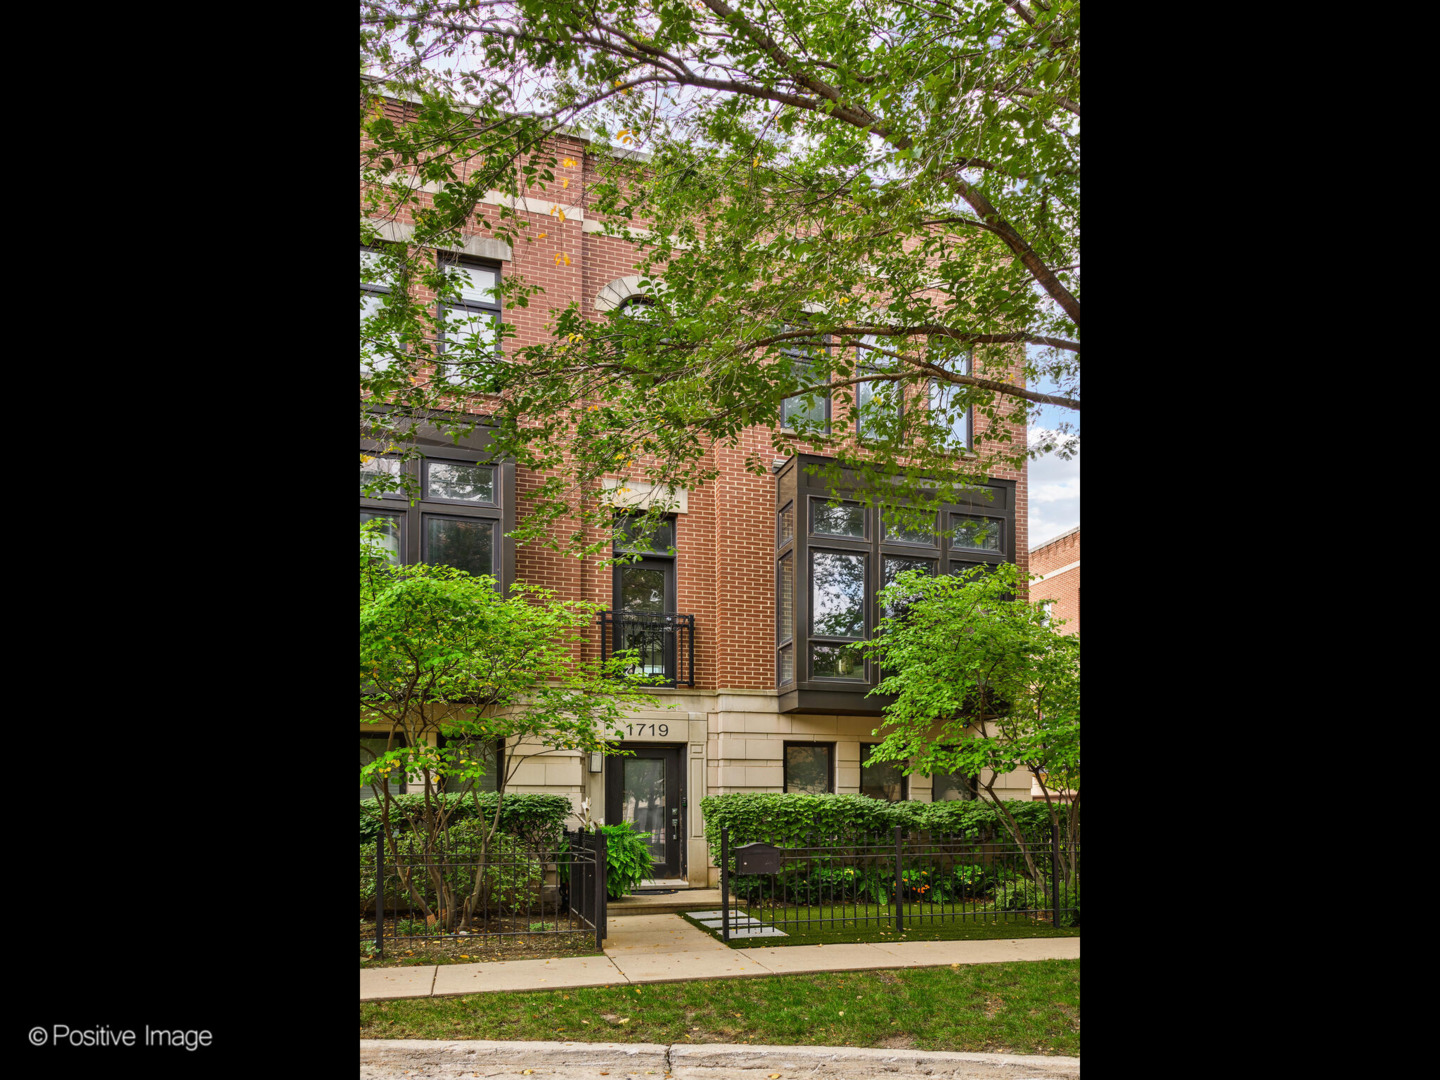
point(1054, 484)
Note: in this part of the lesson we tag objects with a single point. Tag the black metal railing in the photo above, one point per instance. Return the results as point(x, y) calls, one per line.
point(664, 644)
point(897, 879)
point(516, 890)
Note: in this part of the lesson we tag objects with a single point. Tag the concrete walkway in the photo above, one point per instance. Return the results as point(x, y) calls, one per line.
point(665, 948)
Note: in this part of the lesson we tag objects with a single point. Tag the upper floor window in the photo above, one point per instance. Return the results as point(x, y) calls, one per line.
point(947, 408)
point(376, 346)
point(877, 401)
point(473, 319)
point(638, 307)
point(811, 409)
point(457, 521)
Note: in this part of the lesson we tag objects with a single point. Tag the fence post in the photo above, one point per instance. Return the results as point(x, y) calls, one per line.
point(380, 893)
point(899, 885)
point(724, 883)
point(1055, 877)
point(602, 874)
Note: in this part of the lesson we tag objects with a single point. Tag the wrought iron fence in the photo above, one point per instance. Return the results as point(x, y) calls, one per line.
point(514, 891)
point(664, 644)
point(899, 880)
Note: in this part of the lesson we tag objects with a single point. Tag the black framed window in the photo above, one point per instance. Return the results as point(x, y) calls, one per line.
point(892, 566)
point(881, 779)
point(380, 470)
point(785, 525)
point(947, 411)
point(371, 747)
point(373, 294)
point(392, 536)
point(490, 753)
point(973, 533)
point(896, 532)
point(465, 543)
point(847, 520)
point(477, 313)
point(843, 556)
point(810, 767)
point(459, 482)
point(837, 614)
point(816, 411)
point(631, 536)
point(875, 398)
point(460, 518)
point(949, 787)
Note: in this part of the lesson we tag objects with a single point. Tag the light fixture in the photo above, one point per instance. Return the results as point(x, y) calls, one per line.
point(596, 759)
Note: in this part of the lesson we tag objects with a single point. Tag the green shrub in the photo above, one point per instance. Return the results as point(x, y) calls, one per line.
point(627, 859)
point(511, 880)
point(794, 818)
point(539, 820)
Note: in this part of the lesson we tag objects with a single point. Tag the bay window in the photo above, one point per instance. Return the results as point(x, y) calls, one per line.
point(835, 553)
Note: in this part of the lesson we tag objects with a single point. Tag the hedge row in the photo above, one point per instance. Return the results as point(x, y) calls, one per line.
point(538, 819)
point(782, 819)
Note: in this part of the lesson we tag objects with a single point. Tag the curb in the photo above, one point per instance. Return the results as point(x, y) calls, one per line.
point(465, 1054)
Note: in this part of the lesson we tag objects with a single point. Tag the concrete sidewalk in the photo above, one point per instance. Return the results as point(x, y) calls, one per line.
point(665, 948)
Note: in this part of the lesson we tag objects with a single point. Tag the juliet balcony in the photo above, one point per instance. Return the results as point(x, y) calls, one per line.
point(664, 644)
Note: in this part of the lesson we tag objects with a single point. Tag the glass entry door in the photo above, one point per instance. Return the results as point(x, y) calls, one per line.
point(645, 790)
point(644, 597)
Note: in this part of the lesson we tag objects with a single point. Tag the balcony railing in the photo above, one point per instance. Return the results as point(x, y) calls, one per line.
point(664, 644)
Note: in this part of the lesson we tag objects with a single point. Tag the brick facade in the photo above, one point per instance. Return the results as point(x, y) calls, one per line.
point(1057, 561)
point(725, 544)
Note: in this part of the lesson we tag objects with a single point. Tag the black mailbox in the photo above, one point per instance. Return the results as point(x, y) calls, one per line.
point(758, 859)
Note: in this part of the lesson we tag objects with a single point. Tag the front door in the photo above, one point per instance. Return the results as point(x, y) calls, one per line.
point(645, 790)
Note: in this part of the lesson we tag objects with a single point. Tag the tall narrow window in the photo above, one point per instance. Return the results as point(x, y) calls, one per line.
point(377, 346)
point(471, 322)
point(837, 612)
point(948, 410)
point(876, 402)
point(812, 409)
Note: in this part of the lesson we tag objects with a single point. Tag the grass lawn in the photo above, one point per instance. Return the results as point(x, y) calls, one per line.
point(1029, 1007)
point(880, 926)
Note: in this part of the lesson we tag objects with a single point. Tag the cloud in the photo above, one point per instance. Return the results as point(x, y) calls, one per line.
point(1054, 495)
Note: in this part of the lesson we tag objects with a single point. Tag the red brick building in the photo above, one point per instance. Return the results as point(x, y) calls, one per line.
point(1056, 562)
point(765, 586)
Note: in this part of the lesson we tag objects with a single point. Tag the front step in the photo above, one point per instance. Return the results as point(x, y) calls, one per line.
point(666, 903)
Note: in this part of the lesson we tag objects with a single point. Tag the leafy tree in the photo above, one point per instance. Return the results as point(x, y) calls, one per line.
point(878, 201)
point(443, 653)
point(983, 686)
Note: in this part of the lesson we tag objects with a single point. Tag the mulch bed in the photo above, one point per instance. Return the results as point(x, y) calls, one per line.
point(473, 948)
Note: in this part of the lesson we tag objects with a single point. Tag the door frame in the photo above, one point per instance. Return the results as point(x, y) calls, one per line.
point(675, 788)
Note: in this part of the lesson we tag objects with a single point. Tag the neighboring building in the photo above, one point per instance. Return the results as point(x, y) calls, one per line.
point(750, 618)
point(1057, 562)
